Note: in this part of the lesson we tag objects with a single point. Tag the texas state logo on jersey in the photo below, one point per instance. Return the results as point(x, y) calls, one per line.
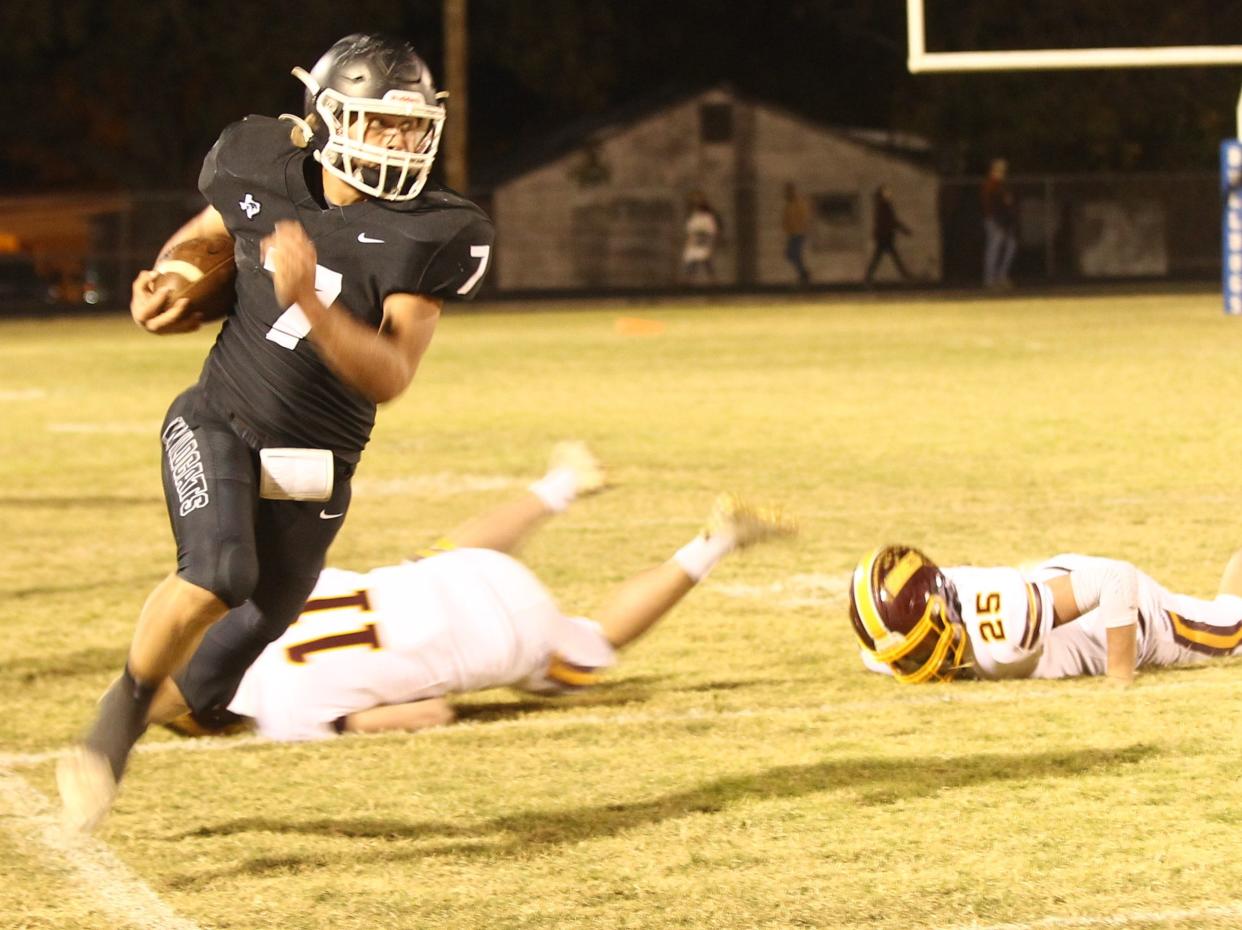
point(1007, 618)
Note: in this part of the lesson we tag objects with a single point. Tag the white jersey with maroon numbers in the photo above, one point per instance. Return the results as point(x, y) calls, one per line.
point(1173, 629)
point(1008, 615)
point(463, 620)
point(1007, 618)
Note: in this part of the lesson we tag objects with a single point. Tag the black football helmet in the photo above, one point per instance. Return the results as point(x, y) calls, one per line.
point(358, 80)
point(905, 615)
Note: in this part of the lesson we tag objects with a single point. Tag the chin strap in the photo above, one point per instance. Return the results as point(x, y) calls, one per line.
point(301, 134)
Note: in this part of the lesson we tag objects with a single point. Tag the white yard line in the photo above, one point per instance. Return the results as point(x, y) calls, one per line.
point(1126, 919)
point(104, 880)
point(431, 485)
point(554, 720)
point(805, 590)
point(933, 697)
point(18, 760)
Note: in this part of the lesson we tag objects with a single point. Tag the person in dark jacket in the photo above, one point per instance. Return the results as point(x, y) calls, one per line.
point(885, 226)
point(1000, 226)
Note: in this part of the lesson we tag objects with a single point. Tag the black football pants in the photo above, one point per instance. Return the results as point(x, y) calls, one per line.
point(261, 557)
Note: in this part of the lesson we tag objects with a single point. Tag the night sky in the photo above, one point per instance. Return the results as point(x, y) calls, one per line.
point(132, 94)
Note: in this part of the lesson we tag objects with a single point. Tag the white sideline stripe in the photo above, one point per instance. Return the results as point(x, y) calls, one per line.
point(806, 590)
point(207, 744)
point(568, 720)
point(106, 881)
point(432, 485)
point(23, 394)
point(1126, 919)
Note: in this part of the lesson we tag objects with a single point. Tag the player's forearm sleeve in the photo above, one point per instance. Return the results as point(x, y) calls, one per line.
point(1109, 585)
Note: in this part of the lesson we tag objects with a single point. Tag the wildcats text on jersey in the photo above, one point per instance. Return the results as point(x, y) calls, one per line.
point(185, 463)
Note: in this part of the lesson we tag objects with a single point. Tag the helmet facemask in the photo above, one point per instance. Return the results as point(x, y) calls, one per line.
point(376, 170)
point(936, 654)
point(905, 615)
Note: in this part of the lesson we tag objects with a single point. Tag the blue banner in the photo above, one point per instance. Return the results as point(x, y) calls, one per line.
point(1231, 224)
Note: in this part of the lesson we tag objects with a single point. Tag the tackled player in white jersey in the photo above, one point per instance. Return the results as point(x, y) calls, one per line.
point(1071, 615)
point(383, 650)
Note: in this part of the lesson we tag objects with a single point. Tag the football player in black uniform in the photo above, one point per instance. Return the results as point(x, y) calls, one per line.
point(345, 252)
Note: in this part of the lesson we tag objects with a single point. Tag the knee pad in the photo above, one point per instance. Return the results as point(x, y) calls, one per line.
point(237, 573)
point(280, 600)
point(227, 568)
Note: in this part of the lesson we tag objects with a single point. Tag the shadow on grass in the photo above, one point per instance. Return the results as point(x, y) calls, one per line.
point(672, 685)
point(874, 782)
point(632, 690)
point(598, 696)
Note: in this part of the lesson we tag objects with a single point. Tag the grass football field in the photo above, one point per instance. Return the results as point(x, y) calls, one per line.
point(740, 769)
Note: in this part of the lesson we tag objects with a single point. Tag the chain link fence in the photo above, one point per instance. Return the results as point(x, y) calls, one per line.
point(1091, 228)
point(64, 250)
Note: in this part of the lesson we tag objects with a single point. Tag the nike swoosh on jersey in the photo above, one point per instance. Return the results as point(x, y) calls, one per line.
point(324, 515)
point(363, 237)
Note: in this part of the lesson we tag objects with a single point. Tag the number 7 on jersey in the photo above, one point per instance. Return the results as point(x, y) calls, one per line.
point(292, 326)
point(483, 253)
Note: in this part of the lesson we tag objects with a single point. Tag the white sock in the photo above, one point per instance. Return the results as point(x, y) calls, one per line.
point(700, 555)
point(557, 489)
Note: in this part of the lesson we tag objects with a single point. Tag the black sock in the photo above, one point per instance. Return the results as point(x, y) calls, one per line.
point(121, 721)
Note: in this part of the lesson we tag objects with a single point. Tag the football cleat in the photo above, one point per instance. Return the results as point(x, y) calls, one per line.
point(87, 789)
point(748, 523)
point(223, 723)
point(576, 456)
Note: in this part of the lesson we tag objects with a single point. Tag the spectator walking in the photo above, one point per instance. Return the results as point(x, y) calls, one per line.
point(1000, 226)
point(702, 233)
point(796, 220)
point(884, 228)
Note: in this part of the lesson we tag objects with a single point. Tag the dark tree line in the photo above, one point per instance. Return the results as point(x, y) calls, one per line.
point(107, 93)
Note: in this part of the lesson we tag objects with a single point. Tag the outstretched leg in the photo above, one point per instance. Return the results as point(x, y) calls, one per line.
point(172, 622)
point(573, 471)
point(1231, 580)
point(638, 603)
point(209, 485)
point(901, 266)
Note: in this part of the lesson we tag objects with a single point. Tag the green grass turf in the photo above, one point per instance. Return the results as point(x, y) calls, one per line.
point(740, 769)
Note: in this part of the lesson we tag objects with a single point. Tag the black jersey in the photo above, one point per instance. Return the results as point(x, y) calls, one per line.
point(262, 372)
